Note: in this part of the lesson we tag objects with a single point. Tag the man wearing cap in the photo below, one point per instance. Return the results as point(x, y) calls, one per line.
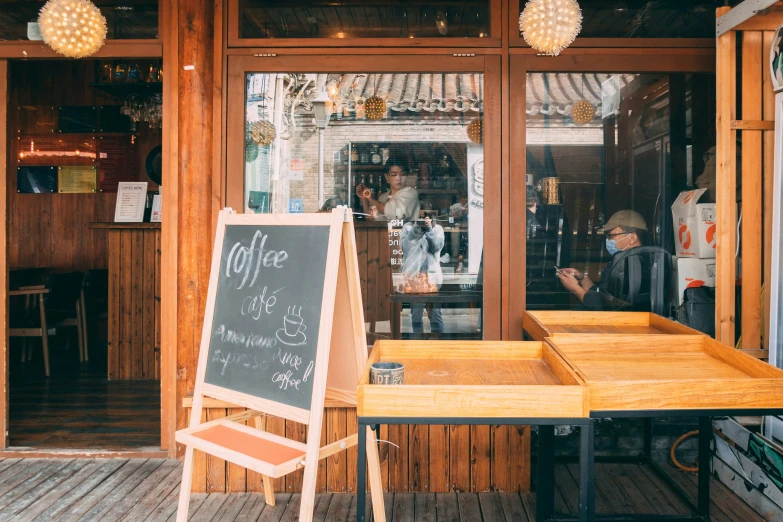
point(624, 231)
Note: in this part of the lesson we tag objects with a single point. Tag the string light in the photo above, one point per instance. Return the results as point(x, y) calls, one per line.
point(549, 26)
point(74, 28)
point(476, 131)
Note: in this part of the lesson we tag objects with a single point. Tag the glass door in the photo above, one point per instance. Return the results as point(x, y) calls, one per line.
point(408, 143)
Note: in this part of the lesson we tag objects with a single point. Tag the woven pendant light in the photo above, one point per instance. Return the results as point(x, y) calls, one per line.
point(263, 132)
point(375, 108)
point(582, 112)
point(476, 131)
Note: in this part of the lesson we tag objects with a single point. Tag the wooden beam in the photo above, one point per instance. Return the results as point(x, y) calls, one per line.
point(752, 71)
point(24, 49)
point(757, 125)
point(726, 70)
point(4, 255)
point(729, 19)
point(768, 96)
point(169, 228)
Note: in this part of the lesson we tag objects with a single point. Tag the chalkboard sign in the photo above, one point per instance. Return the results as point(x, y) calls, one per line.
point(267, 311)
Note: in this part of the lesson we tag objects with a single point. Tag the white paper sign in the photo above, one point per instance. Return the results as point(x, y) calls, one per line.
point(157, 203)
point(475, 206)
point(131, 197)
point(296, 170)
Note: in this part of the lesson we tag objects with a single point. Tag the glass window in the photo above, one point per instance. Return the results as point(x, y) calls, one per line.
point(607, 155)
point(124, 20)
point(397, 149)
point(645, 19)
point(360, 19)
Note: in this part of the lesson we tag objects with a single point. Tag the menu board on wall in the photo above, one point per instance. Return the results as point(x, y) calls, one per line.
point(116, 161)
point(76, 180)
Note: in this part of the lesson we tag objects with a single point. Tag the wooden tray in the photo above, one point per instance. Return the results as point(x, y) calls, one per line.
point(540, 325)
point(675, 372)
point(473, 379)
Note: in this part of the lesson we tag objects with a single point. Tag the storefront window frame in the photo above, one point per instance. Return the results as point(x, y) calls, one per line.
point(515, 39)
point(494, 40)
point(490, 65)
point(524, 61)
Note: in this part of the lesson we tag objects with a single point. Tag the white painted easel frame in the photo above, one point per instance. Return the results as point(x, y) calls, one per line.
point(336, 374)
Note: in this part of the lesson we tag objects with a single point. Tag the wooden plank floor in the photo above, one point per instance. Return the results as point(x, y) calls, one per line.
point(77, 408)
point(137, 490)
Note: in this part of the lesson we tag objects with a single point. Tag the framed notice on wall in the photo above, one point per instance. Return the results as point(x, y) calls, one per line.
point(76, 179)
point(131, 197)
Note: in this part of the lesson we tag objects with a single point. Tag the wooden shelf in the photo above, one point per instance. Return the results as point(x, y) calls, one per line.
point(122, 90)
point(541, 325)
point(123, 225)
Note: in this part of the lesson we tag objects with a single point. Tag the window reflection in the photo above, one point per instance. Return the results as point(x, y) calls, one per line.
point(361, 19)
point(600, 189)
point(396, 149)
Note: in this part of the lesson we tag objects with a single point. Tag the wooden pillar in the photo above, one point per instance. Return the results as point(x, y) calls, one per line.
point(750, 326)
point(768, 95)
point(3, 256)
point(726, 76)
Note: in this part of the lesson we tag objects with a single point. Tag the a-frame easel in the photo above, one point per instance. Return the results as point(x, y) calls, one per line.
point(340, 358)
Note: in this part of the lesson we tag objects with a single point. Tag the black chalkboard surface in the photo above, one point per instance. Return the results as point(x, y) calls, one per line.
point(267, 311)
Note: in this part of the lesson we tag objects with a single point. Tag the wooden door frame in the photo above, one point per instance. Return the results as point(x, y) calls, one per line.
point(489, 65)
point(524, 60)
point(143, 49)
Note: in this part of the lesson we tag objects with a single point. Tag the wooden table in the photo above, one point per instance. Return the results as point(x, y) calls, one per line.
point(653, 375)
point(474, 382)
point(134, 300)
point(542, 324)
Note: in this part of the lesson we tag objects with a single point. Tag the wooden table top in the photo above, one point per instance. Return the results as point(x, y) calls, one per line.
point(473, 379)
point(674, 372)
point(542, 324)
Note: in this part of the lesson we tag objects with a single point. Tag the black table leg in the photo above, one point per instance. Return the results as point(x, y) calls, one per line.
point(586, 473)
point(705, 457)
point(647, 427)
point(545, 470)
point(361, 470)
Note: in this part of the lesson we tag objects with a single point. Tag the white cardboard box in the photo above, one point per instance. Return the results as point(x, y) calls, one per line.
point(693, 273)
point(694, 225)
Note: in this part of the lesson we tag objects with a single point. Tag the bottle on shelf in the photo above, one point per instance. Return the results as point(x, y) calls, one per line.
point(354, 155)
point(134, 74)
point(154, 73)
point(121, 72)
point(105, 72)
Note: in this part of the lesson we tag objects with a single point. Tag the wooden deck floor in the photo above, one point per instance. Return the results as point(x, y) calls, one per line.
point(139, 490)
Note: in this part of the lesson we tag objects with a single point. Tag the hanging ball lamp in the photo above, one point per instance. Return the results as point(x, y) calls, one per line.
point(375, 108)
point(263, 132)
point(549, 26)
point(74, 28)
point(583, 112)
point(476, 131)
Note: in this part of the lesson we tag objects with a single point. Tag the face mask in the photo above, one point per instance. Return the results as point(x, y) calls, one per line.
point(611, 246)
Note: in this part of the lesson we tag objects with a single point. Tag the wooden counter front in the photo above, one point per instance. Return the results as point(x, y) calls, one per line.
point(134, 300)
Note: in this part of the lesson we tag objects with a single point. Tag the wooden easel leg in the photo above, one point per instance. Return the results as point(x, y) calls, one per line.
point(374, 472)
point(185, 486)
point(269, 490)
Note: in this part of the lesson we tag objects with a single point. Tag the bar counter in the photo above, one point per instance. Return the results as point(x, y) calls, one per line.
point(134, 300)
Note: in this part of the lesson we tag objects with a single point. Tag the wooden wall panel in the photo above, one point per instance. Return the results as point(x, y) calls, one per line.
point(134, 283)
point(434, 458)
point(51, 230)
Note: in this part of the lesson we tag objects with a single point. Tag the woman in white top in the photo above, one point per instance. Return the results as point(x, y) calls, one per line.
point(400, 202)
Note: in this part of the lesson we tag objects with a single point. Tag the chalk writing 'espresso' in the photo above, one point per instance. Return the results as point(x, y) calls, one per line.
point(243, 260)
point(239, 359)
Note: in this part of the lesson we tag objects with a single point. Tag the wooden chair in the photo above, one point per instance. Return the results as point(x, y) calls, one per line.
point(94, 303)
point(58, 306)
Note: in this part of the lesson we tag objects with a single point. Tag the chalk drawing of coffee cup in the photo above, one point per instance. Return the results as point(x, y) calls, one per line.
point(292, 332)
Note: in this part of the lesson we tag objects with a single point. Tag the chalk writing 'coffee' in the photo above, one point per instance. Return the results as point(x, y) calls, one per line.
point(242, 260)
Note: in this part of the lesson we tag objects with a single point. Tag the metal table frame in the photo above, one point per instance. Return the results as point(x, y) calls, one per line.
point(545, 473)
point(545, 498)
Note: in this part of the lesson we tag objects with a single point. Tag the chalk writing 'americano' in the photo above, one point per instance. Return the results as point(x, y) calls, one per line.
point(242, 260)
